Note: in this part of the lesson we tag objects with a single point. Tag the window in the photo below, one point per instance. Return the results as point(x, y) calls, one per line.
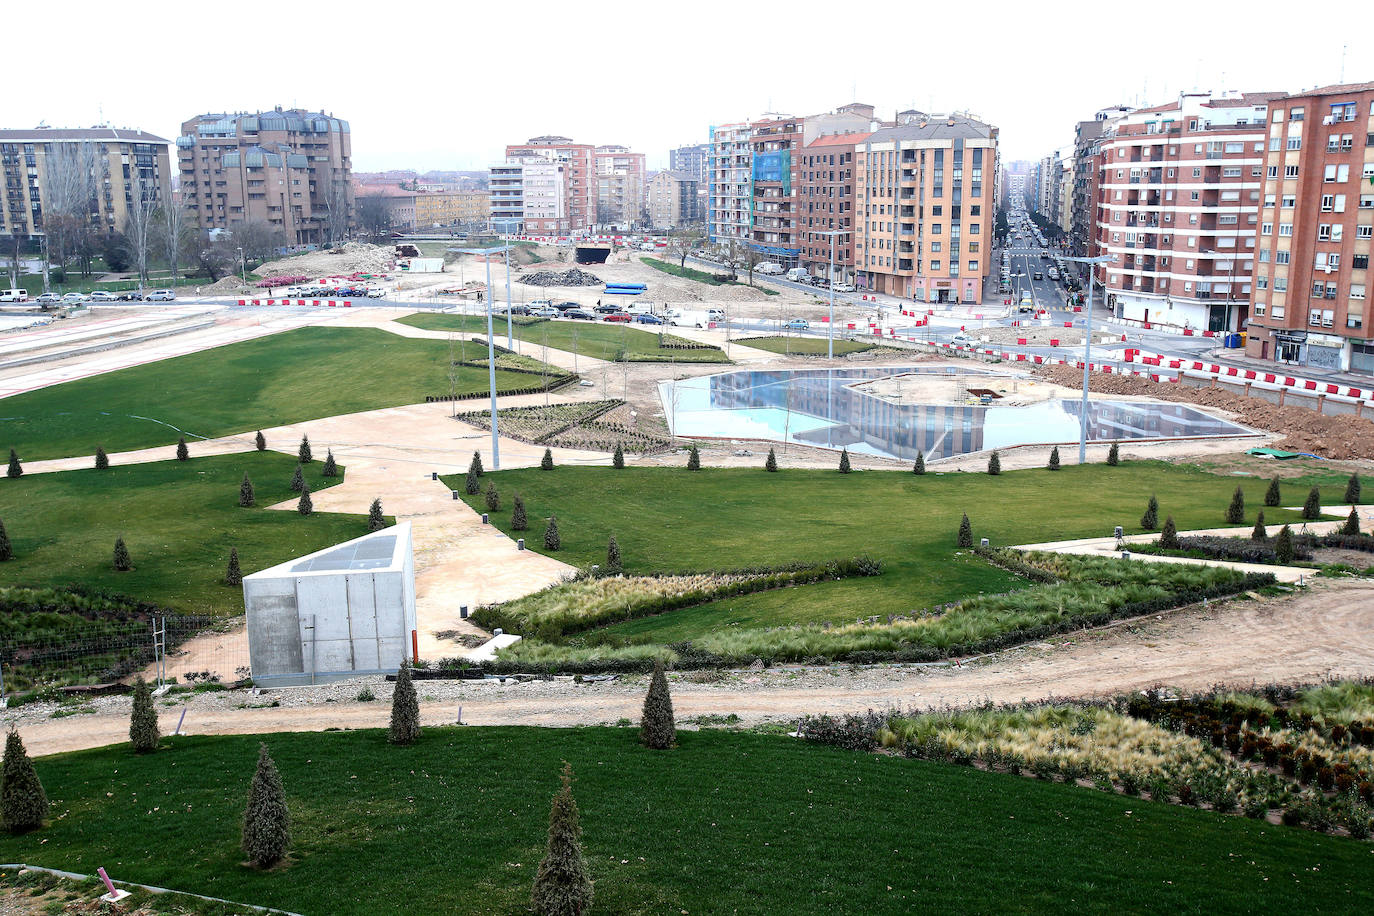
point(1330, 174)
point(1285, 229)
point(1254, 171)
point(1266, 228)
point(1231, 172)
point(1276, 115)
point(1193, 195)
point(1359, 262)
point(1273, 172)
point(1333, 142)
point(1295, 142)
point(1264, 255)
point(1364, 232)
point(1367, 201)
point(1347, 142)
point(1235, 147)
point(1296, 114)
point(973, 267)
point(1337, 233)
point(1282, 257)
point(1328, 202)
point(1357, 291)
point(934, 265)
point(1314, 317)
point(1269, 200)
point(1277, 311)
point(1262, 282)
point(1280, 285)
point(1290, 201)
point(1340, 203)
point(1323, 235)
point(1259, 308)
point(1275, 143)
point(1290, 172)
point(1197, 173)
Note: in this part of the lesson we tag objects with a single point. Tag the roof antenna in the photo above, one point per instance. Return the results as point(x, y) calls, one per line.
point(1344, 48)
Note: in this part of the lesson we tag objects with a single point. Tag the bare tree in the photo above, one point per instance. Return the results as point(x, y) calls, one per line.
point(215, 258)
point(681, 243)
point(374, 216)
point(338, 218)
point(69, 193)
point(138, 224)
point(257, 239)
point(14, 261)
point(172, 233)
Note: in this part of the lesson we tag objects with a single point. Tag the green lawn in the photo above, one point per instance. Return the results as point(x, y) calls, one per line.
point(599, 340)
point(701, 276)
point(456, 824)
point(285, 378)
point(179, 520)
point(671, 520)
point(807, 346)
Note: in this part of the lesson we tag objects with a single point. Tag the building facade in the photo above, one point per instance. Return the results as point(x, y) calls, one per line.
point(576, 164)
point(621, 190)
point(674, 200)
point(287, 169)
point(730, 192)
point(506, 188)
point(825, 201)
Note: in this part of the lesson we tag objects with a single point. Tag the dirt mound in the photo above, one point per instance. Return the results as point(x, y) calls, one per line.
point(1303, 430)
point(570, 277)
point(348, 258)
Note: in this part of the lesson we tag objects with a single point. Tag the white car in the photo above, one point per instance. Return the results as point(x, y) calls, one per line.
point(961, 340)
point(161, 295)
point(843, 287)
point(375, 292)
point(101, 296)
point(547, 311)
point(73, 299)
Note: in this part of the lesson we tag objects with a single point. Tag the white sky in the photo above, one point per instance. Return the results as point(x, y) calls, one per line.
point(430, 85)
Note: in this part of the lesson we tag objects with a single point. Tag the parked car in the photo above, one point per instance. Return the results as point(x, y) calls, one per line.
point(961, 340)
point(817, 281)
point(579, 315)
point(519, 309)
point(48, 299)
point(619, 316)
point(798, 324)
point(162, 295)
point(547, 311)
point(101, 295)
point(606, 309)
point(843, 287)
point(648, 319)
point(1039, 276)
point(768, 267)
point(541, 303)
point(73, 298)
point(563, 306)
point(14, 295)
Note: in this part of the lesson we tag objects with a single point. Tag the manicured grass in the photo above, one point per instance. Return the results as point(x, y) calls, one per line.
point(674, 520)
point(701, 276)
point(456, 824)
point(179, 520)
point(806, 346)
point(599, 340)
point(285, 378)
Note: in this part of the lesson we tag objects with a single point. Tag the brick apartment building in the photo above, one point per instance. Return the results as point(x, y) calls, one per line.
point(621, 189)
point(826, 203)
point(288, 169)
point(673, 200)
point(1311, 277)
point(559, 178)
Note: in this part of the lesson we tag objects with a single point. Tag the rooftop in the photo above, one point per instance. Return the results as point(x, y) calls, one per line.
point(51, 134)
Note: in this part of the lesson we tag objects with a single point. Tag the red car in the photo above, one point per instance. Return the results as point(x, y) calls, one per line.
point(619, 316)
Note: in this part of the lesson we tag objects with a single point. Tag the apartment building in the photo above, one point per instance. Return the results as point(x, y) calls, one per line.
point(825, 203)
point(425, 210)
point(506, 187)
point(1311, 276)
point(693, 160)
point(621, 190)
point(91, 175)
point(774, 144)
point(925, 207)
point(1179, 205)
point(674, 200)
point(288, 169)
point(1064, 206)
point(730, 192)
point(578, 170)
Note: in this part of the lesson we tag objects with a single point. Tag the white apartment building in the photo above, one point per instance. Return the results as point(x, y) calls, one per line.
point(731, 187)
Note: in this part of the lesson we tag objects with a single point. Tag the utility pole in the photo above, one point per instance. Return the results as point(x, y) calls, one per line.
point(1087, 356)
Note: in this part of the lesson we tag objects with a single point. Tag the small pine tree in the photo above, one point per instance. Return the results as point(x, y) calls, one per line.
point(995, 464)
point(1114, 455)
point(266, 820)
point(1352, 522)
point(844, 461)
point(693, 459)
point(183, 453)
point(920, 466)
point(518, 520)
point(331, 469)
point(563, 883)
point(102, 461)
point(6, 548)
point(297, 480)
point(656, 728)
point(1352, 489)
point(475, 466)
point(965, 532)
point(471, 485)
point(546, 463)
point(1054, 458)
point(122, 561)
point(405, 709)
point(260, 441)
point(771, 465)
point(618, 459)
point(23, 803)
point(1312, 508)
point(1271, 496)
point(246, 495)
point(1168, 538)
point(1150, 520)
point(1283, 546)
point(233, 575)
point(493, 498)
point(305, 506)
point(143, 730)
point(612, 554)
point(1235, 513)
point(375, 520)
point(1259, 533)
point(552, 541)
point(303, 454)
point(15, 469)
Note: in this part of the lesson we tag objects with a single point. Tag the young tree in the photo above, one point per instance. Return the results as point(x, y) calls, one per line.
point(994, 464)
point(6, 548)
point(304, 505)
point(303, 453)
point(656, 727)
point(266, 821)
point(1150, 520)
point(122, 561)
point(612, 555)
point(143, 730)
point(171, 233)
point(102, 461)
point(518, 520)
point(1271, 496)
point(23, 803)
point(260, 441)
point(1352, 522)
point(298, 480)
point(330, 468)
point(138, 225)
point(965, 532)
point(693, 459)
point(1283, 546)
point(618, 459)
point(1054, 458)
point(405, 709)
point(233, 575)
point(546, 463)
point(375, 520)
point(1114, 455)
point(493, 498)
point(1352, 489)
point(475, 467)
point(1168, 538)
point(771, 465)
point(471, 485)
point(844, 461)
point(246, 495)
point(183, 453)
point(15, 469)
point(552, 540)
point(1259, 534)
point(563, 883)
point(920, 466)
point(1235, 513)
point(1312, 508)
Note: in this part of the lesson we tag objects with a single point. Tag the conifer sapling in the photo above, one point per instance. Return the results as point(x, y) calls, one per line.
point(266, 820)
point(920, 466)
point(552, 541)
point(1352, 489)
point(233, 575)
point(1352, 522)
point(15, 469)
point(563, 883)
point(143, 730)
point(657, 730)
point(305, 505)
point(6, 548)
point(470, 483)
point(303, 454)
point(1168, 538)
point(1114, 455)
point(260, 441)
point(693, 459)
point(1235, 513)
point(122, 561)
point(844, 461)
point(1283, 546)
point(1259, 534)
point(518, 520)
point(297, 480)
point(405, 709)
point(376, 521)
point(618, 459)
point(23, 803)
point(546, 463)
point(1312, 508)
point(612, 555)
point(965, 532)
point(1150, 520)
point(102, 461)
point(1054, 458)
point(1271, 496)
point(995, 464)
point(493, 498)
point(183, 453)
point(475, 466)
point(331, 469)
point(246, 495)
point(771, 465)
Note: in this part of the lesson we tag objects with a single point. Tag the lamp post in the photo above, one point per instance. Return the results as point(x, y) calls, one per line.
point(1087, 355)
point(830, 325)
point(486, 254)
point(243, 266)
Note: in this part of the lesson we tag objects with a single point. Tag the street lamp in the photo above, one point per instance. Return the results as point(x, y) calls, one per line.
point(243, 266)
point(486, 254)
point(830, 325)
point(1087, 355)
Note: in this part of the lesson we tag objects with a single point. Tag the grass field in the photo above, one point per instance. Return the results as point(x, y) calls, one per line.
point(701, 276)
point(807, 346)
point(179, 520)
point(456, 824)
point(599, 340)
point(298, 375)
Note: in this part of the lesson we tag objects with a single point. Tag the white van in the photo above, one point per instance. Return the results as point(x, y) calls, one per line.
point(14, 295)
point(797, 275)
point(768, 267)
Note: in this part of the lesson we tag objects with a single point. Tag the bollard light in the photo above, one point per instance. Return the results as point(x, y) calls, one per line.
point(520, 544)
point(484, 518)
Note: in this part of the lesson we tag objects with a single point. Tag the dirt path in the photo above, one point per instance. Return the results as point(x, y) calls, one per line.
point(1324, 630)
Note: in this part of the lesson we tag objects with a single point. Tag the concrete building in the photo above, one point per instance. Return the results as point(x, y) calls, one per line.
point(826, 203)
point(336, 613)
point(621, 188)
point(925, 207)
point(673, 200)
point(506, 187)
point(91, 175)
point(411, 210)
point(288, 169)
point(577, 170)
point(730, 193)
point(1064, 206)
point(1179, 204)
point(1311, 277)
point(695, 161)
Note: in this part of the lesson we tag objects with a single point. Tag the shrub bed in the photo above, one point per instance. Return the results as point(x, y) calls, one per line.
point(1213, 547)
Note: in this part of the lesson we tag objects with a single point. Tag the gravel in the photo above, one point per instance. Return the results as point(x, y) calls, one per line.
point(570, 277)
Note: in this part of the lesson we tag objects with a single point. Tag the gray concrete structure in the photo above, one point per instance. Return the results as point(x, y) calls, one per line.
point(342, 611)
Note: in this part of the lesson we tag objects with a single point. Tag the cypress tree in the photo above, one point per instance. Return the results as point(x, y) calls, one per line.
point(260, 441)
point(1352, 489)
point(143, 730)
point(122, 561)
point(656, 727)
point(920, 466)
point(1114, 455)
point(102, 461)
point(552, 541)
point(612, 555)
point(1283, 546)
point(1259, 534)
point(493, 498)
point(1312, 508)
point(1235, 513)
point(246, 495)
point(1352, 522)
point(330, 468)
point(1054, 458)
point(1150, 520)
point(844, 461)
point(1168, 538)
point(305, 506)
point(546, 463)
point(6, 548)
point(994, 464)
point(1271, 496)
point(518, 521)
point(563, 883)
point(183, 453)
point(303, 453)
point(475, 466)
point(233, 575)
point(965, 532)
point(375, 520)
point(771, 465)
point(15, 469)
point(266, 821)
point(693, 459)
point(297, 480)
point(405, 709)
point(23, 803)
point(618, 459)
point(470, 483)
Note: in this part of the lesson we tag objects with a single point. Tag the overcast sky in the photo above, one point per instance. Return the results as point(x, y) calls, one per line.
point(446, 85)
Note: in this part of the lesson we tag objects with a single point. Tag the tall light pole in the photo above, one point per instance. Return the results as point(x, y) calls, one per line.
point(830, 325)
point(1087, 355)
point(486, 254)
point(510, 345)
point(243, 266)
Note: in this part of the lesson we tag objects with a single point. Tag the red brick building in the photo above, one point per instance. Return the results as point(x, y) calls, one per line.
point(825, 202)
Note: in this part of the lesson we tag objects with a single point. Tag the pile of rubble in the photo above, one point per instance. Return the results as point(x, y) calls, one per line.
point(570, 277)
